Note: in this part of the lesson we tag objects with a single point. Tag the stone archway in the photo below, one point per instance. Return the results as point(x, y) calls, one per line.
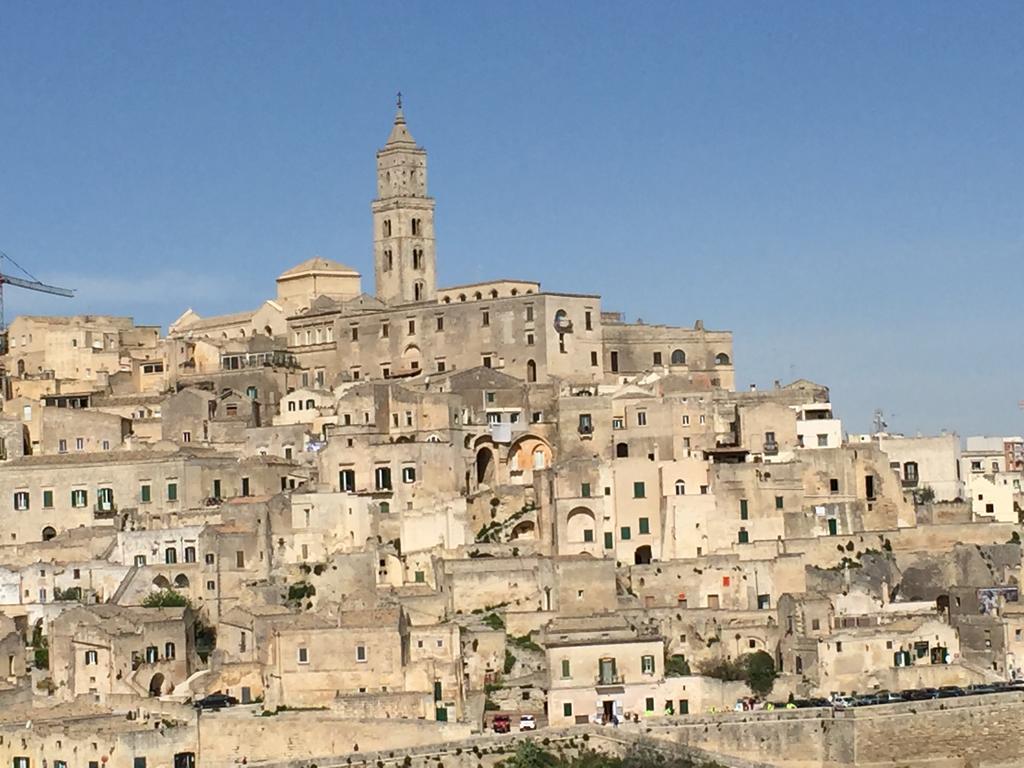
point(642, 555)
point(156, 684)
point(485, 466)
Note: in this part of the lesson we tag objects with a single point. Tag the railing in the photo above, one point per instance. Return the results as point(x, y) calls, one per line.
point(612, 679)
point(103, 510)
point(771, 449)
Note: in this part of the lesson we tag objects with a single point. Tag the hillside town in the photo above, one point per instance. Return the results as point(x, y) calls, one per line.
point(365, 519)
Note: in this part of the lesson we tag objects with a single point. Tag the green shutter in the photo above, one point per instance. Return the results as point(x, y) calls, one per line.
point(47, 499)
point(145, 493)
point(419, 577)
point(638, 490)
point(565, 668)
point(624, 533)
point(609, 540)
point(567, 709)
point(645, 525)
point(172, 491)
point(588, 535)
point(585, 490)
point(743, 509)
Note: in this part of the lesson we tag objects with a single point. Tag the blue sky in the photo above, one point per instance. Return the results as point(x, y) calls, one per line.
point(840, 184)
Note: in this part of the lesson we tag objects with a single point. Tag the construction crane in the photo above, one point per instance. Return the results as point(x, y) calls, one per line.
point(31, 284)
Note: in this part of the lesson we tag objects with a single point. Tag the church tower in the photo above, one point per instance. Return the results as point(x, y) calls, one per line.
point(403, 221)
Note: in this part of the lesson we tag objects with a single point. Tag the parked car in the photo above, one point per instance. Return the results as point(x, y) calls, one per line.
point(842, 702)
point(949, 691)
point(888, 697)
point(215, 701)
point(814, 702)
point(920, 694)
point(501, 724)
point(527, 723)
point(867, 700)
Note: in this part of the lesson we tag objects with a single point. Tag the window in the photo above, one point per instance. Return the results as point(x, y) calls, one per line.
point(588, 535)
point(79, 443)
point(617, 423)
point(833, 485)
point(170, 555)
point(585, 490)
point(588, 320)
point(240, 559)
point(779, 502)
point(686, 420)
point(649, 704)
point(382, 476)
point(701, 419)
point(245, 486)
point(680, 488)
point(567, 709)
point(609, 540)
point(593, 359)
point(744, 512)
point(186, 437)
point(744, 537)
point(839, 647)
point(347, 480)
point(586, 424)
point(487, 361)
point(529, 313)
point(91, 658)
point(678, 357)
point(168, 650)
point(639, 490)
point(140, 561)
point(79, 498)
point(420, 577)
point(657, 358)
point(529, 339)
point(360, 653)
point(408, 474)
point(485, 317)
point(823, 441)
point(172, 491)
point(47, 499)
point(303, 655)
point(647, 665)
point(624, 533)
point(641, 418)
point(190, 554)
point(565, 668)
point(21, 500)
point(152, 654)
point(355, 333)
point(412, 327)
point(910, 471)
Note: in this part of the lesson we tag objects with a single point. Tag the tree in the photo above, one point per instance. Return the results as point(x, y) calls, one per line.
point(165, 598)
point(529, 755)
point(760, 672)
point(676, 665)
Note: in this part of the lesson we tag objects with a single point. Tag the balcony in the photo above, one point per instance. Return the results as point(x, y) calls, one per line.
point(909, 482)
point(609, 679)
point(771, 449)
point(104, 510)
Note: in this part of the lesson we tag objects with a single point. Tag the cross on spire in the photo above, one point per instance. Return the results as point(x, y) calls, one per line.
point(399, 100)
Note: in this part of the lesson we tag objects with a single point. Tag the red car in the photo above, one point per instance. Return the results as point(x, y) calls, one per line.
point(502, 724)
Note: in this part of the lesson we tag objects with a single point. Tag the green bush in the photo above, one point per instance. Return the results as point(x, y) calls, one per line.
point(165, 598)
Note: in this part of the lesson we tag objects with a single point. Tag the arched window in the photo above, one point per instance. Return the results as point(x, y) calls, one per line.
point(538, 458)
point(310, 404)
point(385, 508)
point(447, 299)
point(680, 488)
point(291, 405)
point(478, 295)
point(417, 291)
point(494, 293)
point(678, 357)
point(531, 371)
point(49, 533)
point(168, 650)
point(190, 554)
point(515, 291)
point(621, 450)
point(462, 297)
point(170, 555)
point(721, 359)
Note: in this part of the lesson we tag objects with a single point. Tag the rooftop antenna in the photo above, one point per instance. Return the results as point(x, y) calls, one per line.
point(879, 421)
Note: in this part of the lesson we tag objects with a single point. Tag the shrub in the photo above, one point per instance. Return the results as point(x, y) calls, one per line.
point(165, 598)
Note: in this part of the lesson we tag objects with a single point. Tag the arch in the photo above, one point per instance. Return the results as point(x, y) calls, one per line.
point(417, 290)
point(678, 357)
point(447, 299)
point(478, 295)
point(181, 581)
point(680, 488)
point(621, 450)
point(49, 533)
point(494, 293)
point(531, 371)
point(526, 529)
point(411, 357)
point(527, 452)
point(515, 291)
point(485, 466)
point(21, 368)
point(722, 359)
point(642, 555)
point(161, 582)
point(310, 404)
point(580, 520)
point(268, 330)
point(462, 297)
point(156, 684)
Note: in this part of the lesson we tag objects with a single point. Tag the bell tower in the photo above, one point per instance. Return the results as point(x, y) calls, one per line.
point(403, 220)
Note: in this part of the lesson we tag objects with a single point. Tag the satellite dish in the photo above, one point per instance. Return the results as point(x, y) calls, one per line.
point(562, 322)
